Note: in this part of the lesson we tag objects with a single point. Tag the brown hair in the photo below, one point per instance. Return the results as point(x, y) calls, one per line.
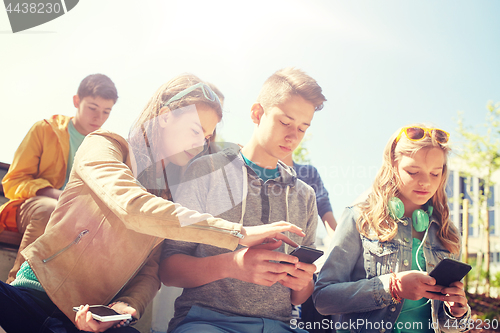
point(97, 85)
point(289, 82)
point(145, 132)
point(375, 216)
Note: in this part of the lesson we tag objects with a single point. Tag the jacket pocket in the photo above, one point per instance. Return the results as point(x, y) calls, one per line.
point(75, 241)
point(379, 258)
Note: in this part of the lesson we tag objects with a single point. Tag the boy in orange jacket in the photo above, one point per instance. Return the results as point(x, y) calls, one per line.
point(43, 161)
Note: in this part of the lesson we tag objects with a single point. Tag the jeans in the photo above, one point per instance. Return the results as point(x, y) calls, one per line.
point(207, 321)
point(32, 311)
point(32, 218)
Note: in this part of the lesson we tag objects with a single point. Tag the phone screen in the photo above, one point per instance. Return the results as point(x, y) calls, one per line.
point(103, 311)
point(448, 271)
point(306, 254)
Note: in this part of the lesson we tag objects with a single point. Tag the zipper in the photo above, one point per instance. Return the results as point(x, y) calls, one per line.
point(76, 241)
point(234, 233)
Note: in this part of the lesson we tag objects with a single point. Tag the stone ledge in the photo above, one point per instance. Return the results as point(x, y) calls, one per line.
point(10, 239)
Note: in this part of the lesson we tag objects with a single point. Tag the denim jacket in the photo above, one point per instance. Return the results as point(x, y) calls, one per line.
point(354, 281)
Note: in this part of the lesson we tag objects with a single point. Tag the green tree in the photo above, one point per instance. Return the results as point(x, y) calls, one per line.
point(301, 153)
point(480, 157)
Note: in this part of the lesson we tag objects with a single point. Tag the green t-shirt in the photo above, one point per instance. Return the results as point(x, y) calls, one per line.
point(25, 278)
point(75, 140)
point(415, 316)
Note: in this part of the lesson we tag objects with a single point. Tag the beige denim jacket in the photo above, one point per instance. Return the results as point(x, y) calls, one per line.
point(99, 242)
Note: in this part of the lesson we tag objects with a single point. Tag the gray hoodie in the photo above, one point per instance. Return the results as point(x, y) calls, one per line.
point(224, 186)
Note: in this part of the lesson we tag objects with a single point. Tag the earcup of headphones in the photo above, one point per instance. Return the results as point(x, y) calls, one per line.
point(420, 220)
point(396, 208)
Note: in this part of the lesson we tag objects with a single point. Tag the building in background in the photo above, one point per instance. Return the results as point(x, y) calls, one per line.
point(460, 186)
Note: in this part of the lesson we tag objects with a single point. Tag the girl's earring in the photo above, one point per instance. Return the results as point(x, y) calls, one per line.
point(163, 120)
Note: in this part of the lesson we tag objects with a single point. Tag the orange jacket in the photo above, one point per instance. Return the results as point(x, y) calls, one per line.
point(40, 161)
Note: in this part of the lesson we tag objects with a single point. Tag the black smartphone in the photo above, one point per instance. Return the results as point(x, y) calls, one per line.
point(306, 254)
point(104, 313)
point(448, 271)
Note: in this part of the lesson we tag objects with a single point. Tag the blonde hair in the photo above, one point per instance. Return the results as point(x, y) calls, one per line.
point(288, 82)
point(375, 218)
point(146, 131)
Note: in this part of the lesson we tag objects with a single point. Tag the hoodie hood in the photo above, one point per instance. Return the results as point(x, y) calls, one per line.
point(288, 176)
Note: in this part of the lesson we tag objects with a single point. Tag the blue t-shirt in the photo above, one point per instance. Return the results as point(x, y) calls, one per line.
point(310, 175)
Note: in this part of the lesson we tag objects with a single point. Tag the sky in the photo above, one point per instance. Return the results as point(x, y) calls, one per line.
point(382, 65)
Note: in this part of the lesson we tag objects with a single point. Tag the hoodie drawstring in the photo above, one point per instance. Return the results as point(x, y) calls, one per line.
point(244, 202)
point(245, 193)
point(287, 191)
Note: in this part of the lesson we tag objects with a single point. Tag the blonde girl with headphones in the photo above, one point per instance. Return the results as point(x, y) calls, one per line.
point(376, 277)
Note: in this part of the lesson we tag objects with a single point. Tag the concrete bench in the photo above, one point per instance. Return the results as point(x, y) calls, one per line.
point(10, 239)
point(7, 238)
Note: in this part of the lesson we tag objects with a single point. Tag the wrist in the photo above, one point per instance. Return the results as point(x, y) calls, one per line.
point(225, 264)
point(459, 317)
point(241, 234)
point(300, 296)
point(395, 288)
point(125, 305)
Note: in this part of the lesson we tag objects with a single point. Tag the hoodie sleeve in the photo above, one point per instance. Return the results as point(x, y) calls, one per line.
point(312, 222)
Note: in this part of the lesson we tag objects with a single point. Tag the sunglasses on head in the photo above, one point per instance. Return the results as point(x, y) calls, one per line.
point(207, 92)
point(417, 133)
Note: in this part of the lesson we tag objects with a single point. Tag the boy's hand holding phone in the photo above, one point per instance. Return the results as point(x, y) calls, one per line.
point(304, 269)
point(259, 264)
point(300, 280)
point(300, 277)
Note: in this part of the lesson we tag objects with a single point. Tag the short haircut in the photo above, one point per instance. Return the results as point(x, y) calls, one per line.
point(97, 85)
point(288, 82)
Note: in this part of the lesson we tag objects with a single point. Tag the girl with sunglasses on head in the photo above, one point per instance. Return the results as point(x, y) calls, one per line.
point(101, 243)
point(376, 276)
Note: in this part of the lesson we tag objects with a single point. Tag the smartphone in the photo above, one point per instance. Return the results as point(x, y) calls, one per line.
point(104, 313)
point(306, 254)
point(448, 271)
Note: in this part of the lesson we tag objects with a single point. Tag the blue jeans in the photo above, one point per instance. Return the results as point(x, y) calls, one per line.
point(28, 310)
point(199, 320)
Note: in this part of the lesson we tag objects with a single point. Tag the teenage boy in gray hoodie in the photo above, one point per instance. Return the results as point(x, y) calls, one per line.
point(249, 289)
